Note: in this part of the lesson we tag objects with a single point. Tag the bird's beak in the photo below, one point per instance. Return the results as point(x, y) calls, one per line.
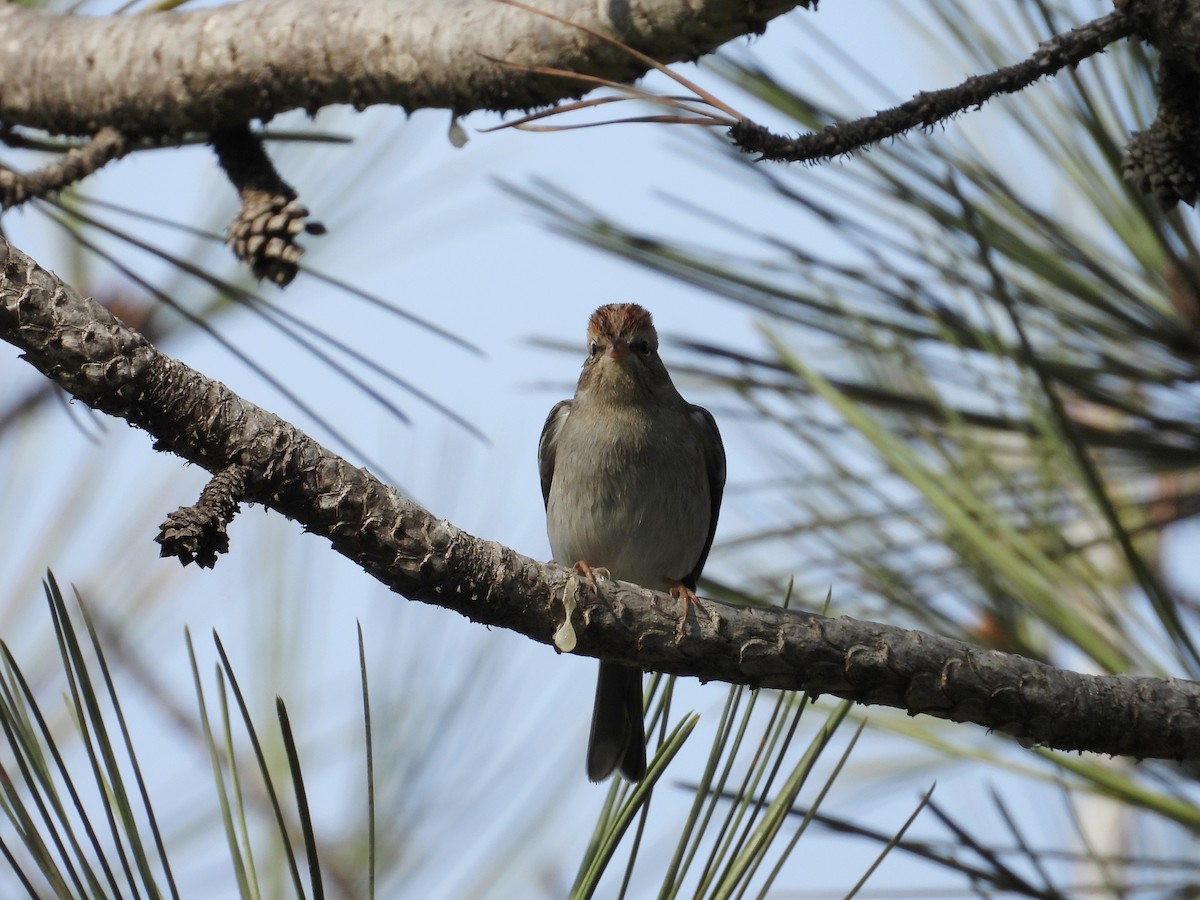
point(617, 350)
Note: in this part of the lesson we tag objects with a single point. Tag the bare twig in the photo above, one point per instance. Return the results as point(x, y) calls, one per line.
point(76, 164)
point(931, 107)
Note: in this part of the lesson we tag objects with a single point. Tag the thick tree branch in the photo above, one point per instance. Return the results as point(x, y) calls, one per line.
point(93, 355)
point(168, 74)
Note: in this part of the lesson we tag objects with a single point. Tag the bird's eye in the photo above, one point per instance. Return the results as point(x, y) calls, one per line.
point(593, 348)
point(641, 347)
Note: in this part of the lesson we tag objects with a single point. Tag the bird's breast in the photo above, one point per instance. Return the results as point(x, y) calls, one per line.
point(630, 493)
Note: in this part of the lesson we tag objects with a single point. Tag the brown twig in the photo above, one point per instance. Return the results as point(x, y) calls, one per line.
point(76, 164)
point(931, 107)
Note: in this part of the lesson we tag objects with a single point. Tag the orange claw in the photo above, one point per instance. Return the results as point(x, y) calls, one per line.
point(591, 573)
point(685, 595)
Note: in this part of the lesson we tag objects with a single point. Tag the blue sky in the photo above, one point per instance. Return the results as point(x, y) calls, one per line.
point(425, 226)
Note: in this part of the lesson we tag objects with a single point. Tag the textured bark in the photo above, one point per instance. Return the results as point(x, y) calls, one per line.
point(91, 354)
point(165, 74)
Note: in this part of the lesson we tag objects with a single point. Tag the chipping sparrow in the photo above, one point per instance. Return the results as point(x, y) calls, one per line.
point(632, 476)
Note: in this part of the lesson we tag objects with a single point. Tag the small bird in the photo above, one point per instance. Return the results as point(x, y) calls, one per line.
point(632, 477)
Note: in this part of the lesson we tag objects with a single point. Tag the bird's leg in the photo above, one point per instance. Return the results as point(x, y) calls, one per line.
point(685, 595)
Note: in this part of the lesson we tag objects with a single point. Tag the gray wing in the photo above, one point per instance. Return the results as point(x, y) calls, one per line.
point(548, 445)
point(714, 459)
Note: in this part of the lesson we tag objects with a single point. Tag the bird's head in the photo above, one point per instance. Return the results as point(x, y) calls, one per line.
point(623, 350)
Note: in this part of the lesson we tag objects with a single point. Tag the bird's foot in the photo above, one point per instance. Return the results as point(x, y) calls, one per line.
point(592, 573)
point(686, 596)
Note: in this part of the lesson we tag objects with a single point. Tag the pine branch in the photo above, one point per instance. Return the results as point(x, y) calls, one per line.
point(930, 108)
point(90, 353)
point(167, 74)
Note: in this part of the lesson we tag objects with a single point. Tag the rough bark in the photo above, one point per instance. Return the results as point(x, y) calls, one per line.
point(94, 356)
point(163, 75)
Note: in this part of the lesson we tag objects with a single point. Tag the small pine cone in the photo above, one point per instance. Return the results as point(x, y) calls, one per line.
point(263, 235)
